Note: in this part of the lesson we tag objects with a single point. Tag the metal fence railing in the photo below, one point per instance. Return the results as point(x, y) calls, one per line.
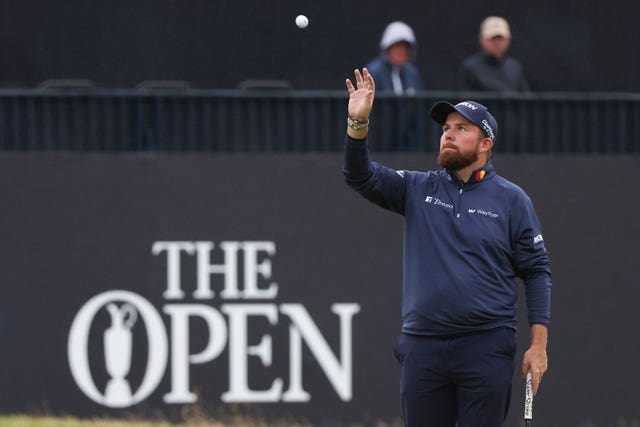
point(301, 121)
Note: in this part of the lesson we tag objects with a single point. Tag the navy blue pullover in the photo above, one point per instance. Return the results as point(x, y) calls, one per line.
point(464, 245)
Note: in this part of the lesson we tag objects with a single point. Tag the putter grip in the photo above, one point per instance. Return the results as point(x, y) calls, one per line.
point(528, 400)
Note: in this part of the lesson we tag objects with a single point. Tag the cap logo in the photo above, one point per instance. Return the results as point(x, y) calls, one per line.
point(487, 129)
point(468, 105)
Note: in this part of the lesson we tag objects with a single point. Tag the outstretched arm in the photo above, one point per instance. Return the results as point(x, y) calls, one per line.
point(381, 185)
point(360, 102)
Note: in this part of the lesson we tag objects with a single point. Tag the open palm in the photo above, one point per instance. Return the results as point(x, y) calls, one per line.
point(361, 96)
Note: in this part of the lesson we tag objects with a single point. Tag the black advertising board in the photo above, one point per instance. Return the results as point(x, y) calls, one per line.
point(147, 283)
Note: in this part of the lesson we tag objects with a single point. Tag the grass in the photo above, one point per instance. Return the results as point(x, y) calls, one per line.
point(237, 421)
point(30, 421)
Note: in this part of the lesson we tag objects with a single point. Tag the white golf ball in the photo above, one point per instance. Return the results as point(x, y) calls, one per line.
point(302, 21)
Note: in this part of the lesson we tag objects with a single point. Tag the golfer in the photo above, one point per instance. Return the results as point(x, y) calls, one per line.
point(469, 233)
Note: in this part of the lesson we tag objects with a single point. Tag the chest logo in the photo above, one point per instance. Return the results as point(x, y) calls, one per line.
point(482, 212)
point(437, 202)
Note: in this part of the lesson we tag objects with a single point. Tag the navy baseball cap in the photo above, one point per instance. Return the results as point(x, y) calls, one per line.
point(473, 111)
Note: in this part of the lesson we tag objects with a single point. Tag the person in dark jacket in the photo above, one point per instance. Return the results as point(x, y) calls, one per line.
point(469, 233)
point(492, 69)
point(396, 74)
point(393, 69)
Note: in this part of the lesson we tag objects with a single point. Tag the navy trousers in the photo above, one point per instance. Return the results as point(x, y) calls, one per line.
point(464, 379)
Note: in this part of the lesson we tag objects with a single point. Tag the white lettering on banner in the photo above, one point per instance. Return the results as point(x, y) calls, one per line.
point(180, 357)
point(206, 269)
point(229, 269)
point(303, 327)
point(253, 270)
point(173, 250)
point(231, 332)
point(239, 351)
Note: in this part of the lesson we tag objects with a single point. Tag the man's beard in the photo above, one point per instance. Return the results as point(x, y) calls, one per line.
point(455, 160)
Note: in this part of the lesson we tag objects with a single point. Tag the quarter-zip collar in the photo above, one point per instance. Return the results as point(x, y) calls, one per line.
point(478, 176)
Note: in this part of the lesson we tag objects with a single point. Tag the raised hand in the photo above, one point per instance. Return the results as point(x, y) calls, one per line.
point(361, 96)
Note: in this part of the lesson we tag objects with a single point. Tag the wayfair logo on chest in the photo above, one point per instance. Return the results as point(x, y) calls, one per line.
point(435, 201)
point(483, 213)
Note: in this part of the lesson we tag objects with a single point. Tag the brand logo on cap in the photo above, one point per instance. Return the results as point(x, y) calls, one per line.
point(487, 129)
point(468, 105)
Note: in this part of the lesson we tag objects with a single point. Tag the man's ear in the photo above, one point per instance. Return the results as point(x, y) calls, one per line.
point(486, 144)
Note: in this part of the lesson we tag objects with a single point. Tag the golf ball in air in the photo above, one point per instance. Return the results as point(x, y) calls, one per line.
point(302, 21)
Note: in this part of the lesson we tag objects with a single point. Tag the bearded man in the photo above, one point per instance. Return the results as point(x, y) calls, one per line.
point(469, 234)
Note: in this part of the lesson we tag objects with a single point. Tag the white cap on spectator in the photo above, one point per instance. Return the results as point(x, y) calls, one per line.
point(397, 32)
point(494, 26)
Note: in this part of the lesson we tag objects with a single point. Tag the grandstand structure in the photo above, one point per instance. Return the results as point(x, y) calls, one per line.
point(182, 119)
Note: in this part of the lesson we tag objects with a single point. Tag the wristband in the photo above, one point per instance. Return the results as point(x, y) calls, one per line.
point(356, 124)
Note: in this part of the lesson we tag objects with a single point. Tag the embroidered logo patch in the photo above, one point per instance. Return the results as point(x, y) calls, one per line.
point(437, 202)
point(482, 212)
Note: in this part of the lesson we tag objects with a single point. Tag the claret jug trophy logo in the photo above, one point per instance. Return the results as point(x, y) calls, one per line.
point(247, 291)
point(117, 353)
point(117, 348)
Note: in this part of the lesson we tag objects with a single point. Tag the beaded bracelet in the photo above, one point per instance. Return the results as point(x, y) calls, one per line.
point(356, 124)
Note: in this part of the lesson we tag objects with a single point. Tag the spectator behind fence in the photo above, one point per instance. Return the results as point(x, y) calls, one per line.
point(492, 69)
point(393, 69)
point(396, 74)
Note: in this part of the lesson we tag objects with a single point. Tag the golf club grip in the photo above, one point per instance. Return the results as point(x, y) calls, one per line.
point(528, 401)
